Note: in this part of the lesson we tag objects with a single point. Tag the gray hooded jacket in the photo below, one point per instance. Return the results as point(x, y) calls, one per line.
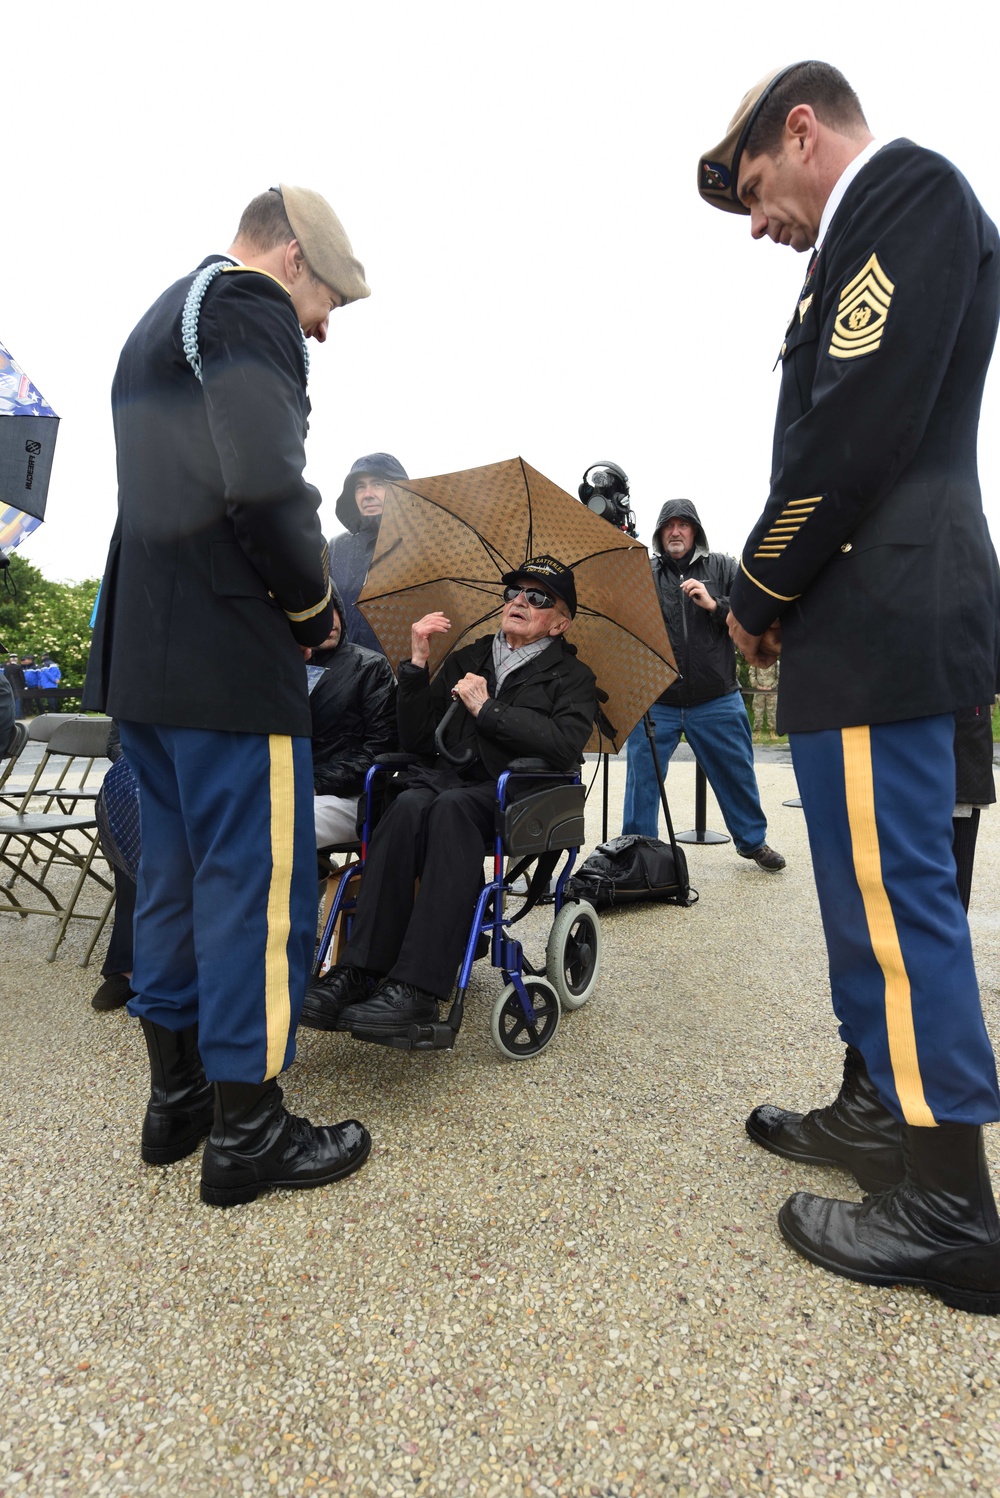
point(705, 654)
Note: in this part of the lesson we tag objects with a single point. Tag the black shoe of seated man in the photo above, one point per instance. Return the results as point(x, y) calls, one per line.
point(115, 991)
point(326, 997)
point(255, 1144)
point(766, 858)
point(855, 1132)
point(179, 1112)
point(939, 1229)
point(391, 1009)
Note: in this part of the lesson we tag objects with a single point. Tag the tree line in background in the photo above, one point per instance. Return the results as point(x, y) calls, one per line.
point(39, 617)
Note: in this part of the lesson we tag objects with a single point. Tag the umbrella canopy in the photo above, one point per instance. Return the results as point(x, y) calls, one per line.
point(445, 543)
point(28, 428)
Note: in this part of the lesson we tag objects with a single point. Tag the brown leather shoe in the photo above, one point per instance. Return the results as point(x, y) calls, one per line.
point(766, 858)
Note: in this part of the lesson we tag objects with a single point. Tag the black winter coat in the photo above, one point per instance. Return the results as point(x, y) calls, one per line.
point(546, 708)
point(873, 548)
point(703, 650)
point(353, 707)
point(217, 554)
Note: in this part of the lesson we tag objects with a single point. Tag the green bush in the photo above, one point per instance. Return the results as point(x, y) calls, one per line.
point(40, 617)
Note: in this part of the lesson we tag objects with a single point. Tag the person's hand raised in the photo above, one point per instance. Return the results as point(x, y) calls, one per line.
point(421, 633)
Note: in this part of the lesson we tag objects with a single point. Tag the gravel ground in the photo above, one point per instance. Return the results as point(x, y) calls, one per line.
point(553, 1277)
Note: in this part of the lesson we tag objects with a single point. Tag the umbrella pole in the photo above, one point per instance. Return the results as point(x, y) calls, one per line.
point(647, 723)
point(604, 809)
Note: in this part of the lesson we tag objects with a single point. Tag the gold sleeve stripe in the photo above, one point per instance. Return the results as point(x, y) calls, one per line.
point(859, 788)
point(277, 1007)
point(310, 613)
point(782, 597)
point(791, 520)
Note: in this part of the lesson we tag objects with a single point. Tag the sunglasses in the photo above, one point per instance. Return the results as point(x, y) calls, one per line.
point(534, 596)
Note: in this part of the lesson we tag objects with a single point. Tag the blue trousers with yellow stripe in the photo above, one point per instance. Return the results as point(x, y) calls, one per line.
point(878, 803)
point(226, 895)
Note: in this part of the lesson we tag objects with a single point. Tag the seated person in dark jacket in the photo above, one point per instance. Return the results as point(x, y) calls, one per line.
point(352, 699)
point(525, 693)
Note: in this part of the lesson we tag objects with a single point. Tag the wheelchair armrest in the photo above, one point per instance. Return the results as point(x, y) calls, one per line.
point(395, 761)
point(544, 820)
point(533, 763)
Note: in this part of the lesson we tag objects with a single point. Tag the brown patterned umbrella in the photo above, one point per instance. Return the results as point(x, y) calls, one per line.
point(445, 542)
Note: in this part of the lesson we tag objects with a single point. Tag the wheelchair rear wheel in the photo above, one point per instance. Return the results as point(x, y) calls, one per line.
point(573, 953)
point(512, 1033)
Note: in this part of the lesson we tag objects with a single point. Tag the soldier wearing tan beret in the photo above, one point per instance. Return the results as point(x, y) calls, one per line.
point(872, 552)
point(216, 580)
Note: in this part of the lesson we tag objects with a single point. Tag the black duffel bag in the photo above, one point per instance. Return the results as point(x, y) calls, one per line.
point(627, 869)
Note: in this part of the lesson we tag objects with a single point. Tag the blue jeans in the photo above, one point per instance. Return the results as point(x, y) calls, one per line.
point(719, 735)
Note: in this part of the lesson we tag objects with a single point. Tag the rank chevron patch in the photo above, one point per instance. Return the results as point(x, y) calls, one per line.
point(862, 312)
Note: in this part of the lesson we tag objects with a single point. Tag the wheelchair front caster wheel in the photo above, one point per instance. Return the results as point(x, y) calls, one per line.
point(514, 1035)
point(573, 953)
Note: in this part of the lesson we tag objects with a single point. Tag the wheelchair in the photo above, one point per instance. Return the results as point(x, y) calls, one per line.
point(539, 817)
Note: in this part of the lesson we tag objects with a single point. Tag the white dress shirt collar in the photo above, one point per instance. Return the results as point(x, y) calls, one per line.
point(841, 185)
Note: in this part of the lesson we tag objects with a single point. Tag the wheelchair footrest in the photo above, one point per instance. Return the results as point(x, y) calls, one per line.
point(435, 1037)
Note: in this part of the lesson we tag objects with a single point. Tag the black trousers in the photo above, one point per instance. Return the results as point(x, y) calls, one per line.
point(435, 831)
point(120, 947)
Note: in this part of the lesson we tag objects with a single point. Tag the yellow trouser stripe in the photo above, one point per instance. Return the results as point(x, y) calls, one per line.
point(860, 788)
point(276, 1003)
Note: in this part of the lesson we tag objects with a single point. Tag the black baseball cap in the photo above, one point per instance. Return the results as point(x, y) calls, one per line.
point(555, 577)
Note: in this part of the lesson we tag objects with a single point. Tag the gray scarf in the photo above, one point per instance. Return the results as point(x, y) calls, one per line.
point(507, 659)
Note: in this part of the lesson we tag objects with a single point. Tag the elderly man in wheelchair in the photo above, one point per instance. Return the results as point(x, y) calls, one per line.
point(524, 693)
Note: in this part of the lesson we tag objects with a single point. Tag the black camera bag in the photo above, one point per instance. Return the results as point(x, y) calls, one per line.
point(627, 869)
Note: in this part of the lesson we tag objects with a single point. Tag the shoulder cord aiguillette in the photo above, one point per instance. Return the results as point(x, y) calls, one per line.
point(192, 311)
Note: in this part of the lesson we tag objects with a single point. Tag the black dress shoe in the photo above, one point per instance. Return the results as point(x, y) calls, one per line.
point(856, 1132)
point(327, 996)
point(115, 991)
point(938, 1230)
point(392, 1009)
point(179, 1112)
point(255, 1145)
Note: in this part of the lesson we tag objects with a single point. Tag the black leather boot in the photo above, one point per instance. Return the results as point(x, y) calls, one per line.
point(255, 1144)
point(179, 1112)
point(856, 1132)
point(938, 1230)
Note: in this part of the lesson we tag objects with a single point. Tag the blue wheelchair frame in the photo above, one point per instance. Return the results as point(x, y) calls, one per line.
point(489, 919)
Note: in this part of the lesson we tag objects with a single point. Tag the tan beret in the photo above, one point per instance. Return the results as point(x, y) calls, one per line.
point(719, 169)
point(324, 244)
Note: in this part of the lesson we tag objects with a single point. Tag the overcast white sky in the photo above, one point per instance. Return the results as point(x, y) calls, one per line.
point(519, 181)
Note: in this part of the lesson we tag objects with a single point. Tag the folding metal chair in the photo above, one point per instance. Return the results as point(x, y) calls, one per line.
point(53, 839)
point(70, 784)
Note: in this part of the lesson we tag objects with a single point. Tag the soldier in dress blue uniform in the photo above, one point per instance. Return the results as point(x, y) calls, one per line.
point(218, 555)
point(873, 551)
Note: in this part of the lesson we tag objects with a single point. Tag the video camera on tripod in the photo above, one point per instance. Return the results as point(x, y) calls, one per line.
point(605, 491)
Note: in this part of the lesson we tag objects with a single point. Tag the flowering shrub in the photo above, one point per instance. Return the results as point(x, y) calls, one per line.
point(43, 617)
